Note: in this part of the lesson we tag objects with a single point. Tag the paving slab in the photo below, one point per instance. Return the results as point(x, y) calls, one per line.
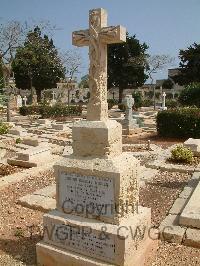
point(190, 216)
point(42, 199)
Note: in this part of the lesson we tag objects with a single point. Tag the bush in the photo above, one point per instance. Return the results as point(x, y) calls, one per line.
point(190, 96)
point(122, 107)
point(138, 99)
point(181, 154)
point(58, 110)
point(181, 122)
point(171, 103)
point(3, 128)
point(147, 103)
point(111, 103)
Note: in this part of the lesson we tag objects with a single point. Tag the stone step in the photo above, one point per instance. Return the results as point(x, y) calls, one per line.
point(32, 152)
point(190, 216)
point(22, 146)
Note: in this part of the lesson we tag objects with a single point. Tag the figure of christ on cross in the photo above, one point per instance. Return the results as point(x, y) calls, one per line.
point(97, 37)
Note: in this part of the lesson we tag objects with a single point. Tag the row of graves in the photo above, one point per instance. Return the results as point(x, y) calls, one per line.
point(93, 215)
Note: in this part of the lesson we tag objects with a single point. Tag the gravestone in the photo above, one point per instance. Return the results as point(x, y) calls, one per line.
point(19, 101)
point(164, 102)
point(53, 101)
point(97, 186)
point(129, 124)
point(25, 100)
point(34, 100)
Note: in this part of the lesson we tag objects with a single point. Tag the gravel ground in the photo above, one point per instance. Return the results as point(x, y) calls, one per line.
point(161, 192)
point(176, 255)
point(6, 169)
point(142, 138)
point(20, 228)
point(159, 195)
point(18, 240)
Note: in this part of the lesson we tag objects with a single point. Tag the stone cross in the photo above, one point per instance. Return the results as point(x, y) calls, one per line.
point(128, 102)
point(25, 100)
point(97, 37)
point(164, 96)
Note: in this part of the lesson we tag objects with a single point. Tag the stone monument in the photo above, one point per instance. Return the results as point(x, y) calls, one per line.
point(129, 124)
point(164, 101)
point(19, 101)
point(97, 186)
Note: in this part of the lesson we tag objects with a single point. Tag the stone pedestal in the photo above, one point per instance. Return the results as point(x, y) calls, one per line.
point(97, 138)
point(98, 220)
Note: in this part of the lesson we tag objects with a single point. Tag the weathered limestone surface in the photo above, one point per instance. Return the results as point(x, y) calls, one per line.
point(115, 181)
point(97, 37)
point(194, 145)
point(32, 157)
point(97, 138)
point(192, 238)
point(19, 131)
point(116, 245)
point(191, 214)
point(170, 230)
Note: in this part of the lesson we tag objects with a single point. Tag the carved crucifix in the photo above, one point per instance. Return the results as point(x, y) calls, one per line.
point(97, 37)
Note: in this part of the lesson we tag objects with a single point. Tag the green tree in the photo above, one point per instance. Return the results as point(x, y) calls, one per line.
point(167, 84)
point(124, 68)
point(190, 95)
point(37, 63)
point(189, 65)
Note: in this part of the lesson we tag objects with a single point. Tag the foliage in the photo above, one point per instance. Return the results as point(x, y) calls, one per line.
point(167, 84)
point(124, 69)
point(47, 111)
point(137, 99)
point(169, 96)
point(147, 103)
point(179, 122)
point(190, 95)
point(111, 103)
point(157, 94)
point(121, 107)
point(149, 94)
point(170, 103)
point(189, 65)
point(37, 63)
point(18, 140)
point(181, 154)
point(4, 128)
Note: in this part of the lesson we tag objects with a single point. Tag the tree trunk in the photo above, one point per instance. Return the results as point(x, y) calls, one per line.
point(39, 94)
point(120, 94)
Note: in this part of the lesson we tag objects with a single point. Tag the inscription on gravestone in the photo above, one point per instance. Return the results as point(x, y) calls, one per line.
point(86, 195)
point(85, 240)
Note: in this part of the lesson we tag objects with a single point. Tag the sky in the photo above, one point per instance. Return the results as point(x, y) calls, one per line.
point(165, 25)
